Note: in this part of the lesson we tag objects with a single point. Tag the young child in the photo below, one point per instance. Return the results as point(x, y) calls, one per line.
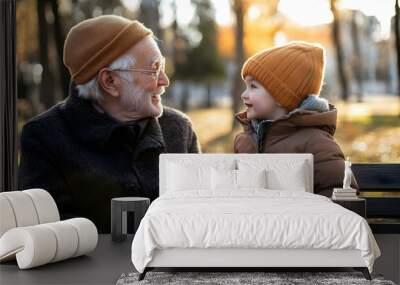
point(285, 114)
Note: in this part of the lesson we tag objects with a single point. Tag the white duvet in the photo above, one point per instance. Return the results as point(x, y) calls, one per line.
point(250, 219)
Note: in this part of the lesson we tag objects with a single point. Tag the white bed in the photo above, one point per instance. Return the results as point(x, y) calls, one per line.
point(201, 223)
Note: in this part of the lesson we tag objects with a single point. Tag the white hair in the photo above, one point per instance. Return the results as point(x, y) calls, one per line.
point(91, 91)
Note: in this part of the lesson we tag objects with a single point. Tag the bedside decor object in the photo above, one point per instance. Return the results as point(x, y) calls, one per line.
point(345, 193)
point(31, 231)
point(348, 174)
point(119, 208)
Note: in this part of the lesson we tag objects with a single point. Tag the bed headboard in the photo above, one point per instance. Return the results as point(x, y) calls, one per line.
point(307, 158)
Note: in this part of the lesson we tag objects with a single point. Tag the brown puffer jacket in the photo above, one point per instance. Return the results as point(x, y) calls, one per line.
point(302, 131)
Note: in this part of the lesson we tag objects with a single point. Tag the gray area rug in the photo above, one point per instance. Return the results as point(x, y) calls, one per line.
point(228, 278)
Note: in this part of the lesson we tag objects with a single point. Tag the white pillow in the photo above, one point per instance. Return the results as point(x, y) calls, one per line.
point(223, 179)
point(295, 180)
point(183, 177)
point(251, 178)
point(281, 175)
point(230, 180)
point(189, 174)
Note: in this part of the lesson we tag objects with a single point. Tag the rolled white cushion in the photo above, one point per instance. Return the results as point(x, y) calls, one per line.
point(45, 205)
point(7, 218)
point(26, 208)
point(33, 246)
point(67, 240)
point(23, 208)
point(40, 244)
point(87, 233)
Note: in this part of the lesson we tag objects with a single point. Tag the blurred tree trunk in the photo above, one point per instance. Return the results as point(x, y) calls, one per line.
point(59, 41)
point(174, 33)
point(173, 50)
point(205, 56)
point(386, 73)
point(397, 35)
point(149, 15)
point(47, 83)
point(178, 60)
point(357, 63)
point(339, 52)
point(209, 101)
point(238, 9)
point(184, 104)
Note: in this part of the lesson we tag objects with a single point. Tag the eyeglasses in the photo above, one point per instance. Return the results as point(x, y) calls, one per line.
point(155, 73)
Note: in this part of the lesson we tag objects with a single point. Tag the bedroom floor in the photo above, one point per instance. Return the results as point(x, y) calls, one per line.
point(102, 266)
point(110, 261)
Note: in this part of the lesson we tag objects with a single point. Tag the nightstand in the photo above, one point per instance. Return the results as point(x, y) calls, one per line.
point(119, 208)
point(357, 205)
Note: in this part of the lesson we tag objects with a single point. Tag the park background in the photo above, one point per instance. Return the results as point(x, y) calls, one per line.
point(205, 43)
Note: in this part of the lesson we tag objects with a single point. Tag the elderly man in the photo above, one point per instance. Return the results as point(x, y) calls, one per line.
point(104, 140)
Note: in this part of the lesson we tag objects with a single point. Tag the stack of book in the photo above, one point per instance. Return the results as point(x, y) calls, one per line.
point(344, 194)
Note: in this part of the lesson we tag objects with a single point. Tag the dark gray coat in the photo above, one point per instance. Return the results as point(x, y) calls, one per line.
point(84, 158)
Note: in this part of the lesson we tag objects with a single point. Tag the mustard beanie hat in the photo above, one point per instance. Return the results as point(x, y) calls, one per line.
point(289, 73)
point(95, 43)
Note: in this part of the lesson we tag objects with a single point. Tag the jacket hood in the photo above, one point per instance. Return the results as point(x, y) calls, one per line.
point(300, 117)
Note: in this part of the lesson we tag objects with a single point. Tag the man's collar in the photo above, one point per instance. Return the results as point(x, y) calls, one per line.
point(93, 127)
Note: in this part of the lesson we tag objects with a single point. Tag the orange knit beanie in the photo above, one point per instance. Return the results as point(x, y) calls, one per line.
point(289, 72)
point(95, 43)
